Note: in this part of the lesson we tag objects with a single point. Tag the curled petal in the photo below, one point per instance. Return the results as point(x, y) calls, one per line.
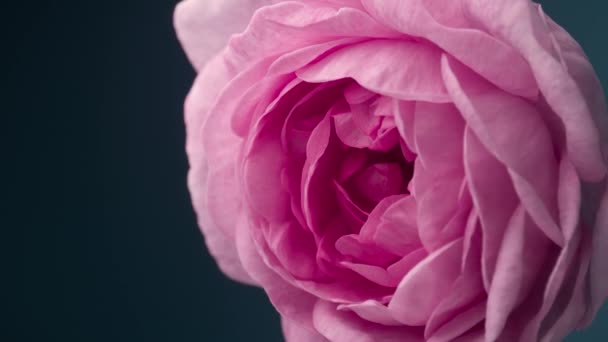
point(556, 83)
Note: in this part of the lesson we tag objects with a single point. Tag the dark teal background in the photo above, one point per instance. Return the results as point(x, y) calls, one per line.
point(100, 233)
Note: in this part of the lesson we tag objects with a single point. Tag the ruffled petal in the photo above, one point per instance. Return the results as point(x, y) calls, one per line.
point(291, 25)
point(514, 132)
point(556, 83)
point(401, 69)
point(218, 230)
point(478, 50)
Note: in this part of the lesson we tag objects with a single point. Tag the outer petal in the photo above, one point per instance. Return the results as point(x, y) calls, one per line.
point(217, 229)
point(291, 302)
point(559, 88)
point(598, 275)
point(204, 26)
point(514, 132)
point(294, 332)
point(478, 50)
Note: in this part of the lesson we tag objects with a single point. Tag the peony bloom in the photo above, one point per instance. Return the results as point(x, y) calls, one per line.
point(400, 170)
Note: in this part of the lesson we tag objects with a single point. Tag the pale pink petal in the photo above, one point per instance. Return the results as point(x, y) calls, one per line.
point(342, 326)
point(401, 69)
point(423, 288)
point(294, 60)
point(373, 311)
point(581, 70)
point(293, 303)
point(219, 234)
point(515, 133)
point(557, 85)
point(204, 26)
point(373, 273)
point(295, 332)
point(290, 25)
point(476, 49)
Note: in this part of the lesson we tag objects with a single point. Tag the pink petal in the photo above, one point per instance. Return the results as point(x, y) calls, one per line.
point(293, 303)
point(423, 288)
point(204, 26)
point(467, 289)
point(295, 332)
point(557, 85)
point(522, 255)
point(404, 120)
point(514, 131)
point(397, 230)
point(373, 311)
point(569, 206)
point(219, 234)
point(291, 25)
point(438, 132)
point(476, 49)
point(597, 272)
point(373, 273)
point(402, 267)
point(317, 204)
point(294, 60)
point(396, 68)
point(460, 324)
point(342, 326)
point(574, 308)
point(493, 198)
point(437, 207)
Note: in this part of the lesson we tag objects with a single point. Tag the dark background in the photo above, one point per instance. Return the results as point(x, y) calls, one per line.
point(106, 246)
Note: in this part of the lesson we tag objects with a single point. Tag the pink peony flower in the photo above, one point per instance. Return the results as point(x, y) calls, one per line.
point(400, 170)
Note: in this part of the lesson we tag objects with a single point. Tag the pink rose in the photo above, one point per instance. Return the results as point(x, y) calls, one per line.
point(400, 170)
